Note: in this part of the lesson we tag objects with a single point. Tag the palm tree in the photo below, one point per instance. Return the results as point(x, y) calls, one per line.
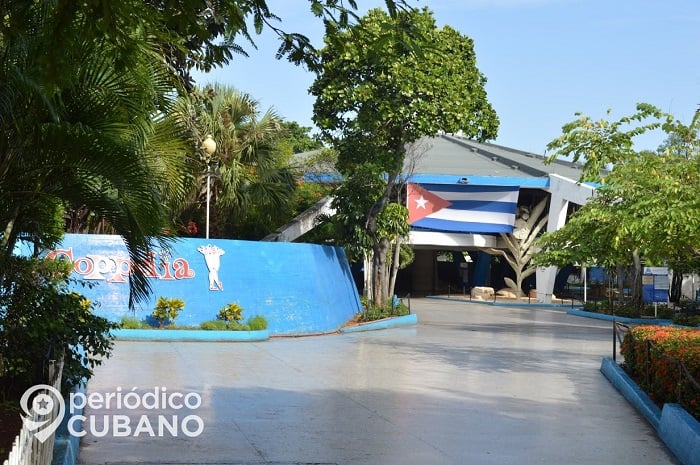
point(87, 134)
point(249, 184)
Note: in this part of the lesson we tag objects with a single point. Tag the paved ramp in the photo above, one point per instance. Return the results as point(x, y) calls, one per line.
point(470, 384)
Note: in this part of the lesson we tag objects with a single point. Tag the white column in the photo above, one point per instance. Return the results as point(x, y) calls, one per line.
point(562, 191)
point(558, 207)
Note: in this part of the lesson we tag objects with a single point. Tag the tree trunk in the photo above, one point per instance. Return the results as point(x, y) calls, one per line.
point(395, 267)
point(9, 237)
point(368, 278)
point(676, 287)
point(380, 270)
point(637, 290)
point(620, 283)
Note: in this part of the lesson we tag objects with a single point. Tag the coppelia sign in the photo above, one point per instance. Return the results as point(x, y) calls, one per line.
point(116, 268)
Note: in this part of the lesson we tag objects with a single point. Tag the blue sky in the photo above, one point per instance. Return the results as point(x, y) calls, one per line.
point(544, 61)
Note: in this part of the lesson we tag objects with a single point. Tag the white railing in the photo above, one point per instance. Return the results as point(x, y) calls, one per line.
point(27, 449)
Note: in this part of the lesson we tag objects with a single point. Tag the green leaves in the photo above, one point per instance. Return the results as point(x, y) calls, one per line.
point(648, 204)
point(385, 83)
point(600, 143)
point(42, 320)
point(166, 310)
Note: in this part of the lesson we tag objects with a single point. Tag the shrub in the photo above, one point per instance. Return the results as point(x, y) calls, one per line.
point(257, 323)
point(42, 320)
point(652, 358)
point(230, 313)
point(130, 322)
point(214, 325)
point(391, 308)
point(167, 310)
point(687, 320)
point(628, 310)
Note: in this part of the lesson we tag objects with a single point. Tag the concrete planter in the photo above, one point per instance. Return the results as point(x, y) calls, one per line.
point(190, 335)
point(621, 319)
point(679, 430)
point(393, 322)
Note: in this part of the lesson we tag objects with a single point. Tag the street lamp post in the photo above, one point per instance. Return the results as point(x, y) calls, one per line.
point(209, 147)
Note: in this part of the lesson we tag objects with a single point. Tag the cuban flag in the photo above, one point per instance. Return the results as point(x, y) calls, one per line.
point(462, 207)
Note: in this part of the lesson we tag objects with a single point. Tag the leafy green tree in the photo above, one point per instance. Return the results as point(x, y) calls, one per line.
point(86, 115)
point(599, 144)
point(88, 137)
point(42, 320)
point(248, 183)
point(187, 34)
point(84, 87)
point(647, 208)
point(297, 139)
point(384, 84)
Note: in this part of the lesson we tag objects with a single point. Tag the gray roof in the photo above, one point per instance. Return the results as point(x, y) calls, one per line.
point(455, 155)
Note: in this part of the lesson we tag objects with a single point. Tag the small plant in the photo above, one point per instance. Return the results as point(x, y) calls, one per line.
point(213, 325)
point(230, 313)
point(167, 310)
point(687, 320)
point(257, 323)
point(129, 322)
point(393, 307)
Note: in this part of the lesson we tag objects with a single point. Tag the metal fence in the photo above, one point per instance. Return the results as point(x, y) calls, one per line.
point(27, 448)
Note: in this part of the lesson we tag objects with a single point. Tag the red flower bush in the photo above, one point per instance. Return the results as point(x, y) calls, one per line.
point(664, 361)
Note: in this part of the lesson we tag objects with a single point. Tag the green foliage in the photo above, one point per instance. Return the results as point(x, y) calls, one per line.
point(423, 79)
point(689, 313)
point(647, 206)
point(250, 184)
point(80, 129)
point(629, 310)
point(392, 222)
point(687, 320)
point(296, 139)
point(377, 312)
point(652, 354)
point(166, 310)
point(307, 194)
point(128, 322)
point(42, 320)
point(230, 313)
point(187, 35)
point(600, 143)
point(214, 325)
point(384, 84)
point(257, 323)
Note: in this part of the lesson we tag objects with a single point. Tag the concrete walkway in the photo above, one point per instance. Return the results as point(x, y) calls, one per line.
point(470, 384)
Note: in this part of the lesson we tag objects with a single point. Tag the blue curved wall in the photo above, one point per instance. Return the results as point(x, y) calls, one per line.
point(299, 288)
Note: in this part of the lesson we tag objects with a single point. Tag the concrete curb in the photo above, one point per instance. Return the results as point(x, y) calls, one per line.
point(681, 433)
point(184, 335)
point(497, 303)
point(630, 391)
point(394, 322)
point(621, 319)
point(679, 430)
point(66, 446)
